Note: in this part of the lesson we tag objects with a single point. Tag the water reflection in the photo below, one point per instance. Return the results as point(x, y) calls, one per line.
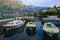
point(34, 34)
point(47, 37)
point(13, 31)
point(1, 30)
point(31, 32)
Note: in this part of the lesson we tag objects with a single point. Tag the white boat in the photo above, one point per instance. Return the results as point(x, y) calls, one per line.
point(31, 25)
point(51, 18)
point(50, 29)
point(14, 24)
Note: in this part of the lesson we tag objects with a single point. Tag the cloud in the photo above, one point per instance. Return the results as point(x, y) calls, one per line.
point(41, 2)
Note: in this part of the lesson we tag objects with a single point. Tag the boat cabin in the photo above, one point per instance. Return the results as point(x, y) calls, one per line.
point(14, 22)
point(49, 25)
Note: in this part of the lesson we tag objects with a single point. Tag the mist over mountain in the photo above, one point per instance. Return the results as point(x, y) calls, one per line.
point(35, 9)
point(32, 8)
point(13, 4)
point(9, 6)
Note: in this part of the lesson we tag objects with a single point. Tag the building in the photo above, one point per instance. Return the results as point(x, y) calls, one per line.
point(44, 10)
point(59, 8)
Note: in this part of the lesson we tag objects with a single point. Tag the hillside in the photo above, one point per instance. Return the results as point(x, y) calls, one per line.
point(51, 11)
point(13, 4)
point(35, 8)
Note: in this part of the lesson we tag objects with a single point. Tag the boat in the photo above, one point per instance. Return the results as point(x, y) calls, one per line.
point(50, 29)
point(53, 19)
point(31, 25)
point(14, 24)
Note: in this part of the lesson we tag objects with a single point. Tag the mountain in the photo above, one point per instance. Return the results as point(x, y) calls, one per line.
point(31, 9)
point(10, 6)
point(35, 9)
point(14, 4)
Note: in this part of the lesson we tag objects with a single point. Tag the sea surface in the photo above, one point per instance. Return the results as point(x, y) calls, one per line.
point(23, 33)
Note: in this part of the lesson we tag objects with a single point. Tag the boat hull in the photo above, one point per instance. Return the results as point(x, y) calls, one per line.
point(50, 34)
point(31, 32)
point(31, 28)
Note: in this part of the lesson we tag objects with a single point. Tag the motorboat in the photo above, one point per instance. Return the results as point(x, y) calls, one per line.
point(14, 24)
point(50, 29)
point(31, 25)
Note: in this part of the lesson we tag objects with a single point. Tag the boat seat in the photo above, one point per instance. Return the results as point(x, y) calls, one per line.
point(49, 25)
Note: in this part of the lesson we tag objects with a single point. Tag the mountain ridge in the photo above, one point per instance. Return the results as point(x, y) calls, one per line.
point(13, 4)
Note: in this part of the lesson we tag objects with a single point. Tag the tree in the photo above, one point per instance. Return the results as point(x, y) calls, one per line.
point(54, 6)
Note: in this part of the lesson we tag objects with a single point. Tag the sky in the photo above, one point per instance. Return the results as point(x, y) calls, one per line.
point(41, 3)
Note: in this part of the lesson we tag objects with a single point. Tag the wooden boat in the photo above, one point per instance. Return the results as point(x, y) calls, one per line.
point(31, 25)
point(50, 28)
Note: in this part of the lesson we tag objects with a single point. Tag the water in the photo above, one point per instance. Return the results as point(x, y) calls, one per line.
point(6, 17)
point(57, 23)
point(23, 33)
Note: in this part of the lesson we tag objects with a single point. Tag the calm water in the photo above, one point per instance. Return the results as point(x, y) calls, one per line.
point(23, 33)
point(57, 23)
